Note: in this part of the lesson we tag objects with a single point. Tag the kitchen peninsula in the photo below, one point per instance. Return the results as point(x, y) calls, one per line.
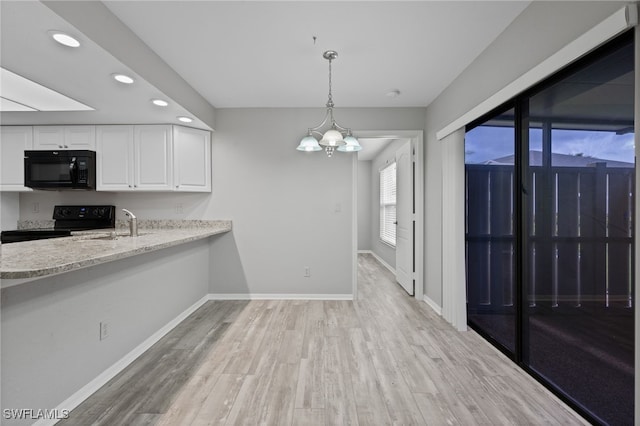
point(77, 310)
point(33, 259)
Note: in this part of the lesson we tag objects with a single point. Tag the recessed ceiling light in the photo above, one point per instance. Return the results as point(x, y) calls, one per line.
point(159, 102)
point(64, 39)
point(185, 119)
point(123, 78)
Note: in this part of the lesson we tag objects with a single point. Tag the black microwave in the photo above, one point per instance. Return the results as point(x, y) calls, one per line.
point(73, 169)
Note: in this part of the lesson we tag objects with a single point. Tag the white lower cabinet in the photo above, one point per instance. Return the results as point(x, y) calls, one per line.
point(14, 140)
point(153, 158)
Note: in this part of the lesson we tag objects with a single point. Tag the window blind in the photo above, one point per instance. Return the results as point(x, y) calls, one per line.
point(388, 204)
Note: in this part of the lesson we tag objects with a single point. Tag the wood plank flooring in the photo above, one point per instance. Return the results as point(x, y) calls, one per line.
point(384, 359)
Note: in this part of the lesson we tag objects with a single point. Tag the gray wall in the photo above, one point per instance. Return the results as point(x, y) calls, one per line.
point(282, 201)
point(50, 327)
point(540, 31)
point(9, 210)
point(365, 212)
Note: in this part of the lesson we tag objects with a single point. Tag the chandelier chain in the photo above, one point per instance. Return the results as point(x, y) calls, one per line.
point(330, 101)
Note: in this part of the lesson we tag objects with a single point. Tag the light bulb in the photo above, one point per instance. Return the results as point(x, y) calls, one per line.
point(332, 137)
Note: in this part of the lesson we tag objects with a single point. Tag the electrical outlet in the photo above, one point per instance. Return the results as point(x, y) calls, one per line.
point(104, 330)
point(179, 209)
point(35, 208)
point(307, 271)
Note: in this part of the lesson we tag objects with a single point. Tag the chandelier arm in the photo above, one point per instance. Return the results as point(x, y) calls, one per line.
point(343, 129)
point(326, 117)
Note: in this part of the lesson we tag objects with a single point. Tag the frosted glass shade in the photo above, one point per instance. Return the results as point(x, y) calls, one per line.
point(309, 143)
point(332, 137)
point(351, 145)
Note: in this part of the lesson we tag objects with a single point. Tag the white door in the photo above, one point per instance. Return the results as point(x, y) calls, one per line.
point(404, 218)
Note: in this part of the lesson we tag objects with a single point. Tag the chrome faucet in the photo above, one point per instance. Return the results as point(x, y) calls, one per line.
point(133, 223)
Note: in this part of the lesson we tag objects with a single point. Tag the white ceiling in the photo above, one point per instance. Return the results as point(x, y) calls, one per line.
point(258, 54)
point(262, 54)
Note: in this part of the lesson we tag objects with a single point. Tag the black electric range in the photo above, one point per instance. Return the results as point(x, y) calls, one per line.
point(66, 219)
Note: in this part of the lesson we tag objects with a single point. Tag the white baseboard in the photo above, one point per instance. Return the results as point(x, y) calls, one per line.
point(433, 305)
point(270, 296)
point(87, 390)
point(379, 259)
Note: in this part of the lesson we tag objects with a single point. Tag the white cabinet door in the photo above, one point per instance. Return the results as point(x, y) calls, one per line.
point(14, 140)
point(114, 158)
point(80, 137)
point(64, 137)
point(48, 137)
point(153, 158)
point(191, 159)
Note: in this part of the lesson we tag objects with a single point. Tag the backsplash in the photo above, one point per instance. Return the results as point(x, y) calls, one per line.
point(38, 205)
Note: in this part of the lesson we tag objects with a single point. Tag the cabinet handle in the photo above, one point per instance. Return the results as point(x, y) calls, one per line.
point(60, 146)
point(66, 146)
point(129, 186)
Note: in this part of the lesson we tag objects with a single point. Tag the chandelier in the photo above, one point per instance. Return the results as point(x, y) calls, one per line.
point(336, 137)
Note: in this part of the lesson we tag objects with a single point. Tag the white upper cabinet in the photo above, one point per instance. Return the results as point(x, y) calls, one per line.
point(14, 140)
point(153, 156)
point(114, 158)
point(191, 159)
point(64, 137)
point(134, 158)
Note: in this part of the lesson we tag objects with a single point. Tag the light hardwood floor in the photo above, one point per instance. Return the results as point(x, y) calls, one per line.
point(383, 359)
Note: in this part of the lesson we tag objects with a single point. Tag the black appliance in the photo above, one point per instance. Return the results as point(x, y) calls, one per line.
point(67, 219)
point(57, 170)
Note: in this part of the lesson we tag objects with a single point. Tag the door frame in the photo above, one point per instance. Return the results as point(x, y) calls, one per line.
point(417, 142)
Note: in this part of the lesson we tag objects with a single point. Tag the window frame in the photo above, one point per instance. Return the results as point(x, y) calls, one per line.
point(387, 199)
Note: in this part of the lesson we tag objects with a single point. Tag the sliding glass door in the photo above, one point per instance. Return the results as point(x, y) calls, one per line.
point(564, 242)
point(490, 245)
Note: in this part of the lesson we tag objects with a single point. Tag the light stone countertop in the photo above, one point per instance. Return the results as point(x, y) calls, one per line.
point(34, 259)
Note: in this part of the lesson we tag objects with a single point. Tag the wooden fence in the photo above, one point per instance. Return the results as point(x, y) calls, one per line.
point(579, 236)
